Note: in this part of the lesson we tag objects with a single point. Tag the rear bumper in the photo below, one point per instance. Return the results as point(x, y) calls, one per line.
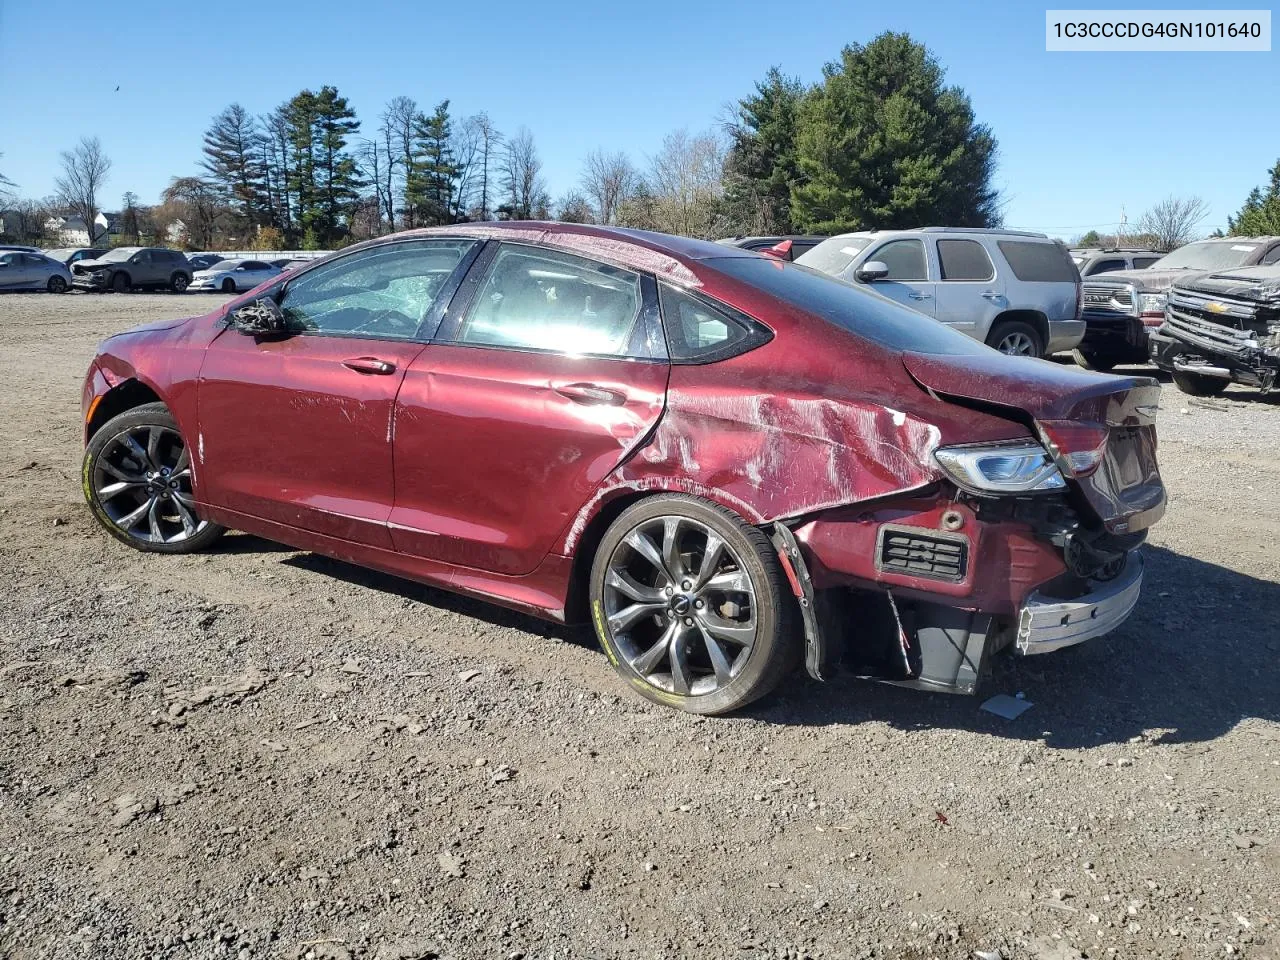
point(1046, 624)
point(1118, 336)
point(1064, 334)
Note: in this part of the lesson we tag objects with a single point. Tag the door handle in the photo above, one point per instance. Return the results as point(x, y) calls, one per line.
point(992, 295)
point(922, 296)
point(369, 365)
point(590, 394)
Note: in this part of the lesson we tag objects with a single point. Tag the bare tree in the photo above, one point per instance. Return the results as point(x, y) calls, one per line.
point(573, 207)
point(84, 171)
point(24, 220)
point(202, 209)
point(488, 140)
point(375, 165)
point(1172, 222)
point(398, 130)
point(6, 186)
point(526, 192)
point(465, 145)
point(609, 180)
point(685, 180)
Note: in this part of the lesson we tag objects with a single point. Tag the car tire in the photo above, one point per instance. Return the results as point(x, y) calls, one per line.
point(705, 641)
point(136, 478)
point(1198, 385)
point(179, 282)
point(120, 283)
point(228, 285)
point(1091, 360)
point(56, 284)
point(1016, 338)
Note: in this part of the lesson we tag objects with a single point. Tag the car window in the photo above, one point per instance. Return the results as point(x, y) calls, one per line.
point(854, 307)
point(1272, 256)
point(1141, 263)
point(695, 329)
point(904, 258)
point(254, 265)
point(1042, 262)
point(539, 300)
point(11, 258)
point(1106, 266)
point(382, 292)
point(965, 260)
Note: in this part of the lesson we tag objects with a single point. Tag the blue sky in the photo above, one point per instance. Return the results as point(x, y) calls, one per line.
point(1081, 134)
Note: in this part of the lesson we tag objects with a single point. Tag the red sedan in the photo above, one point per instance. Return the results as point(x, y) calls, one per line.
point(724, 460)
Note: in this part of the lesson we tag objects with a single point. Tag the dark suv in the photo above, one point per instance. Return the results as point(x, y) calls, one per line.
point(1094, 260)
point(1122, 308)
point(128, 268)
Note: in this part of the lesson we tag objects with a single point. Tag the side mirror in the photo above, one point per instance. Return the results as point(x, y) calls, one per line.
point(260, 318)
point(871, 271)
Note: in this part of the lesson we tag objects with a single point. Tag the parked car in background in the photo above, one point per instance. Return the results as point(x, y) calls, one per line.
point(293, 264)
point(73, 255)
point(203, 261)
point(1093, 260)
point(1015, 291)
point(233, 276)
point(19, 248)
point(792, 245)
point(126, 268)
point(32, 271)
point(1222, 328)
point(693, 446)
point(1123, 307)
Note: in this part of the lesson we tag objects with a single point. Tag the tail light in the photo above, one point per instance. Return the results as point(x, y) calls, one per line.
point(1079, 301)
point(1079, 448)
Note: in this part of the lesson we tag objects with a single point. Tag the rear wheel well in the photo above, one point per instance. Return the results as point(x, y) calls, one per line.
point(122, 397)
point(576, 608)
point(1033, 317)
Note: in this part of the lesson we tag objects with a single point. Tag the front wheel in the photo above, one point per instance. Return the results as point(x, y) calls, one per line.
point(56, 284)
point(690, 605)
point(1091, 360)
point(1198, 385)
point(228, 285)
point(137, 480)
point(120, 283)
point(1016, 338)
point(178, 282)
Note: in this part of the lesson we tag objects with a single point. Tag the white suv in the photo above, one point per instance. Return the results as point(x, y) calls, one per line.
point(1018, 292)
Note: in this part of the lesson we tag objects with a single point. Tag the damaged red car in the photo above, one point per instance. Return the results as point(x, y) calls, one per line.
point(727, 462)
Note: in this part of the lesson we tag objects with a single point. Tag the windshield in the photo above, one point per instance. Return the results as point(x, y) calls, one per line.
point(850, 306)
point(119, 254)
point(1208, 255)
point(834, 256)
point(60, 253)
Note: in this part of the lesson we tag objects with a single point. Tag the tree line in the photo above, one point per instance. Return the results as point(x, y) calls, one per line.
point(880, 142)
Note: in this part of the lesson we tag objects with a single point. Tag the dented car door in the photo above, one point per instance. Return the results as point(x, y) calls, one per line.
point(548, 375)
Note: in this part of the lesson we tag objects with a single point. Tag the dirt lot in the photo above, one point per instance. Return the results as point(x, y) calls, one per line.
point(263, 753)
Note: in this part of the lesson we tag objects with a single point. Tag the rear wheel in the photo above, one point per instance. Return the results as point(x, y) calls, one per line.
point(690, 605)
point(1198, 385)
point(120, 283)
point(1016, 338)
point(178, 282)
point(1093, 360)
point(137, 480)
point(56, 284)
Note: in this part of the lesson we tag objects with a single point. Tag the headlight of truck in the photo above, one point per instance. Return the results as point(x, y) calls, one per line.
point(1001, 468)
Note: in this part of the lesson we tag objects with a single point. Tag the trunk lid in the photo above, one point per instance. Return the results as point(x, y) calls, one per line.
point(1076, 414)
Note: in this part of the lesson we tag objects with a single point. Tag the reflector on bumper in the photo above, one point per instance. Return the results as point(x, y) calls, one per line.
point(1047, 624)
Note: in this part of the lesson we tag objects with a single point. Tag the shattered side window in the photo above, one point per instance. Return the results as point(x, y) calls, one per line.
point(537, 299)
point(382, 292)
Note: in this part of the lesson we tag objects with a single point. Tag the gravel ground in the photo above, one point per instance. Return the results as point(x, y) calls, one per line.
point(259, 752)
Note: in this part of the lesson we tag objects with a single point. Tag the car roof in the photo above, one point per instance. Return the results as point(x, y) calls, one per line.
point(983, 231)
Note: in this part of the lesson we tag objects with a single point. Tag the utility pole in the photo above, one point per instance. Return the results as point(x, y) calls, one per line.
point(1120, 229)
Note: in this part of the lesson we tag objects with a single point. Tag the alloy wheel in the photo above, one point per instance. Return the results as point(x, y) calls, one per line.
point(1017, 344)
point(680, 606)
point(142, 481)
point(57, 285)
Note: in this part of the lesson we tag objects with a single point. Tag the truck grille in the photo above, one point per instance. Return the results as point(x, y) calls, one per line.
point(1108, 298)
point(1211, 323)
point(921, 552)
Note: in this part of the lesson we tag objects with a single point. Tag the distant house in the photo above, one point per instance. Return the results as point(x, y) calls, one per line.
point(72, 232)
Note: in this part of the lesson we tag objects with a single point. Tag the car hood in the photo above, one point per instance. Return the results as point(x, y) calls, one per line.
point(154, 327)
point(1260, 284)
point(1146, 281)
point(97, 264)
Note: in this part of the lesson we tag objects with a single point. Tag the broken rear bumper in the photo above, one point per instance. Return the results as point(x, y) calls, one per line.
point(1046, 623)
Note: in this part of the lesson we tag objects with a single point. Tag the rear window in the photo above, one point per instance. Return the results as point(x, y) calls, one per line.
point(848, 306)
point(1038, 262)
point(1141, 263)
point(964, 260)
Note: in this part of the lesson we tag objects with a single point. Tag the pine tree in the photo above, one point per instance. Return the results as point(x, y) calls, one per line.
point(234, 161)
point(431, 178)
point(1260, 215)
point(881, 143)
point(323, 177)
point(761, 168)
